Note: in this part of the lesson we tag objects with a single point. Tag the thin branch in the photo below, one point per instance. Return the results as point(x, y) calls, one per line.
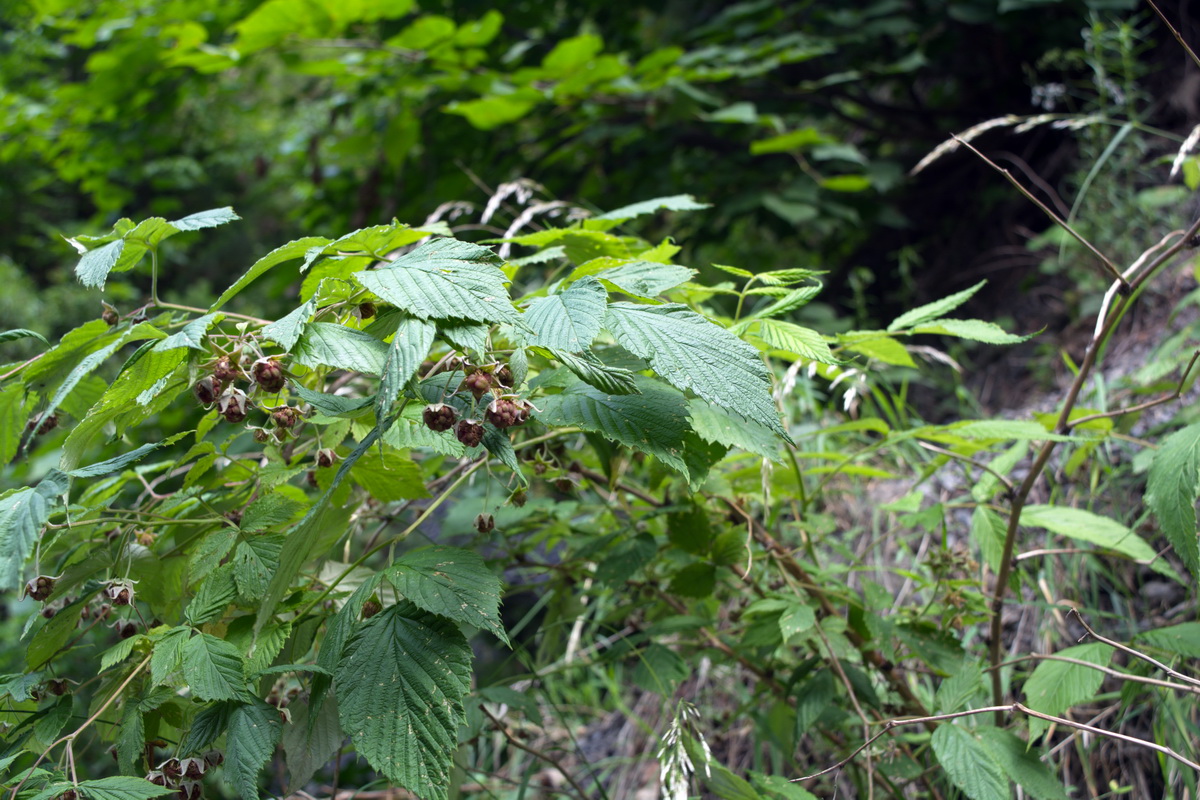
point(1124, 648)
point(1001, 710)
point(1175, 395)
point(70, 737)
point(960, 457)
point(538, 754)
point(1112, 268)
point(1116, 673)
point(1175, 33)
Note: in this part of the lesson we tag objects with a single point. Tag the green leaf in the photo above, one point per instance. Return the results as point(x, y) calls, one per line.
point(288, 252)
point(21, 333)
point(1088, 527)
point(12, 421)
point(1022, 766)
point(309, 741)
point(217, 591)
point(214, 668)
point(191, 335)
point(286, 330)
point(795, 339)
point(695, 580)
point(653, 421)
point(714, 424)
point(121, 787)
point(250, 741)
point(781, 786)
point(302, 539)
point(207, 726)
point(1055, 686)
point(205, 219)
point(466, 336)
point(960, 688)
point(637, 278)
point(332, 405)
point(410, 344)
point(788, 303)
point(970, 765)
point(626, 559)
point(445, 278)
point(400, 686)
point(676, 202)
point(254, 562)
point(879, 346)
point(692, 353)
point(22, 515)
point(168, 654)
point(119, 463)
point(660, 670)
point(94, 266)
point(570, 320)
point(333, 345)
point(269, 510)
point(452, 583)
point(592, 371)
point(934, 310)
point(389, 476)
point(1171, 490)
point(1182, 639)
point(784, 143)
point(974, 329)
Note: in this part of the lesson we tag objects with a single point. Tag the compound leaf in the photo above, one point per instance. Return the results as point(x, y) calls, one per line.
point(691, 352)
point(452, 583)
point(400, 688)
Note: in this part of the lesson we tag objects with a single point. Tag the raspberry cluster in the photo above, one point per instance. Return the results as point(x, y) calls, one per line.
point(477, 383)
point(207, 390)
point(268, 374)
point(439, 417)
point(232, 404)
point(40, 587)
point(505, 413)
point(469, 432)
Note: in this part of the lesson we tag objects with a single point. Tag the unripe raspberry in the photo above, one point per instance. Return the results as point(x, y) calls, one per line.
point(50, 611)
point(232, 405)
point(193, 768)
point(286, 417)
point(226, 369)
point(207, 390)
point(477, 383)
point(326, 457)
point(109, 314)
point(439, 417)
point(371, 608)
point(261, 435)
point(40, 587)
point(268, 374)
point(504, 376)
point(172, 770)
point(469, 432)
point(485, 523)
point(190, 790)
point(125, 628)
point(214, 758)
point(518, 498)
point(120, 593)
point(157, 778)
point(43, 424)
point(366, 310)
point(57, 687)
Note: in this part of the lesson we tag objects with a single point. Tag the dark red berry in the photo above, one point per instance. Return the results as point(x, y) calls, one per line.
point(109, 314)
point(485, 523)
point(189, 790)
point(261, 435)
point(69, 794)
point(193, 768)
point(326, 457)
point(518, 498)
point(504, 375)
point(172, 769)
point(234, 516)
point(477, 383)
point(214, 758)
point(57, 687)
point(286, 417)
point(49, 611)
point(371, 608)
point(46, 424)
point(469, 432)
point(120, 593)
point(439, 417)
point(232, 405)
point(207, 390)
point(40, 587)
point(157, 778)
point(268, 374)
point(366, 310)
point(125, 628)
point(226, 370)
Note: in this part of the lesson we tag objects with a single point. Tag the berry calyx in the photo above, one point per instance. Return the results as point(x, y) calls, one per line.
point(504, 375)
point(326, 457)
point(232, 405)
point(485, 523)
point(268, 374)
point(469, 432)
point(439, 417)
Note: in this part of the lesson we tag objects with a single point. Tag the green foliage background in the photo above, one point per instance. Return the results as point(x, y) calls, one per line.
point(692, 234)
